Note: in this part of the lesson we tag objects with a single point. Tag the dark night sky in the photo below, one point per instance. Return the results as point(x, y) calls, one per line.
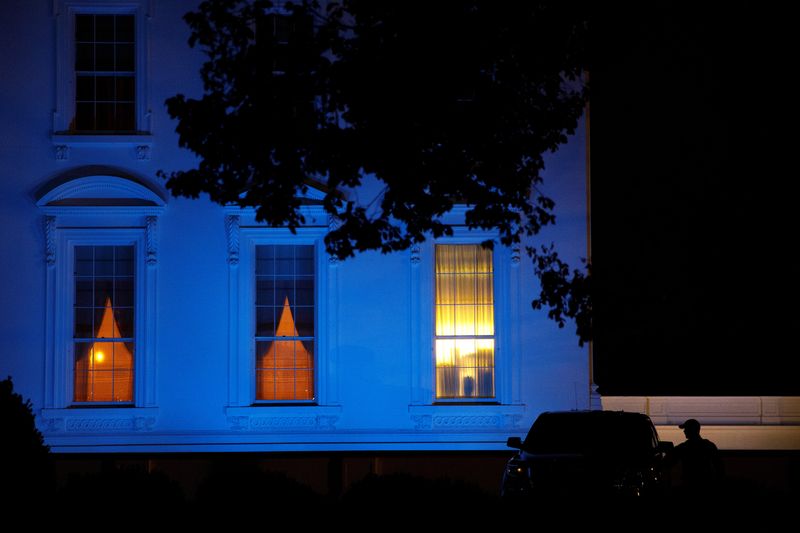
point(693, 220)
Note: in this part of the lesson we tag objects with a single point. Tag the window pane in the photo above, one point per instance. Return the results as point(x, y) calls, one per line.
point(465, 288)
point(304, 384)
point(124, 28)
point(265, 354)
point(83, 292)
point(265, 260)
point(83, 323)
point(123, 356)
point(104, 27)
point(124, 323)
point(483, 258)
point(103, 291)
point(484, 293)
point(84, 260)
point(103, 57)
point(304, 260)
point(84, 57)
point(265, 291)
point(104, 116)
point(465, 319)
point(123, 386)
point(103, 260)
point(84, 117)
point(123, 292)
point(284, 354)
point(265, 321)
point(126, 88)
point(265, 384)
point(284, 261)
point(304, 321)
point(445, 320)
point(84, 88)
point(484, 324)
point(84, 27)
point(124, 58)
point(105, 88)
point(304, 291)
point(125, 118)
point(284, 291)
point(445, 288)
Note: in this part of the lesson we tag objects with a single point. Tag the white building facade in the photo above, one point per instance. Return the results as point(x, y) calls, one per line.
point(138, 322)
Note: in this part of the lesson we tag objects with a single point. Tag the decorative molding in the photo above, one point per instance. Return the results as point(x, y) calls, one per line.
point(416, 253)
point(467, 421)
point(62, 152)
point(421, 421)
point(334, 223)
point(50, 240)
point(151, 245)
point(283, 423)
point(232, 231)
point(515, 255)
point(97, 420)
point(477, 417)
point(143, 152)
point(100, 187)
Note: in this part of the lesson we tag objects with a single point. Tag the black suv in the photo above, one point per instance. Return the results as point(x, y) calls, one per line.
point(587, 453)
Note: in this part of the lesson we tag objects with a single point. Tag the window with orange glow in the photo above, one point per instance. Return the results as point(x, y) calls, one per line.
point(464, 347)
point(103, 336)
point(284, 322)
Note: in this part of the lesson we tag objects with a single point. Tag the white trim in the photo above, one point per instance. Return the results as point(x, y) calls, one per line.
point(507, 334)
point(99, 187)
point(63, 12)
point(241, 315)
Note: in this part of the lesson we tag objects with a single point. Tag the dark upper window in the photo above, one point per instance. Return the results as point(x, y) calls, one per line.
point(105, 74)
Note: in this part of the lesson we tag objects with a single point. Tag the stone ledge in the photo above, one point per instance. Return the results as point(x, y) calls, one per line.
point(715, 410)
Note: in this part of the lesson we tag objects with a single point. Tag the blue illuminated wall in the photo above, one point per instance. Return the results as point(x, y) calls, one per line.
point(194, 291)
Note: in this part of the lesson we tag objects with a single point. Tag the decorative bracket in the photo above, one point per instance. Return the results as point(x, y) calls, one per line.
point(232, 228)
point(150, 240)
point(50, 240)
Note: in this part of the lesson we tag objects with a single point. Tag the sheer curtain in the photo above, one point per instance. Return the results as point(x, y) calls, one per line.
point(464, 322)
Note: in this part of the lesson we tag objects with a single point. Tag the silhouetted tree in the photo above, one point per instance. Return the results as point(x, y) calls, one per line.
point(27, 472)
point(440, 102)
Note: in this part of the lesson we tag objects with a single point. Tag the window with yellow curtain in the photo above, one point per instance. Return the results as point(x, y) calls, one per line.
point(103, 336)
point(285, 322)
point(464, 322)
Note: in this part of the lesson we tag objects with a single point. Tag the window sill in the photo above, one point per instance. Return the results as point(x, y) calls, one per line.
point(105, 419)
point(140, 143)
point(281, 418)
point(102, 138)
point(466, 416)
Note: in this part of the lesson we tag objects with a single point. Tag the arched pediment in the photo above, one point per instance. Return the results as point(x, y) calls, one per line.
point(99, 190)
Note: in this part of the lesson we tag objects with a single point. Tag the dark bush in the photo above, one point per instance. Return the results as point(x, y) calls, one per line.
point(26, 470)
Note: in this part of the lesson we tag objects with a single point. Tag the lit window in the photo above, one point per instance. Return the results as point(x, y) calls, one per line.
point(103, 333)
point(284, 322)
point(105, 73)
point(464, 322)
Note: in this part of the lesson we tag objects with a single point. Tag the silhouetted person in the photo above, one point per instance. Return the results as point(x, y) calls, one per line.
point(699, 457)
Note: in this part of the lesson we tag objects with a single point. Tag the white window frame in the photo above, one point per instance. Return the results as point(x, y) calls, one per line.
point(506, 408)
point(68, 239)
point(244, 411)
point(84, 212)
point(64, 12)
